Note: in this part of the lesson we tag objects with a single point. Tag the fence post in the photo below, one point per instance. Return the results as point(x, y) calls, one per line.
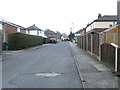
point(116, 56)
point(91, 44)
point(100, 43)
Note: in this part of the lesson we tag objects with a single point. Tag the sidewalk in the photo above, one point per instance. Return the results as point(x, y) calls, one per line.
point(0, 57)
point(9, 53)
point(92, 72)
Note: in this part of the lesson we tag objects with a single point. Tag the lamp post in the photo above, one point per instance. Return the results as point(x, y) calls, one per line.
point(72, 27)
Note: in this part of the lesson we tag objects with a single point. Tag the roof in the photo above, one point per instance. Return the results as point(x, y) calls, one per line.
point(33, 27)
point(114, 28)
point(107, 18)
point(104, 18)
point(99, 29)
point(15, 25)
point(78, 32)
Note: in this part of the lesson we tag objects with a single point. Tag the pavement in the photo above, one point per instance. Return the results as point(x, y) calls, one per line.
point(11, 53)
point(93, 73)
point(0, 57)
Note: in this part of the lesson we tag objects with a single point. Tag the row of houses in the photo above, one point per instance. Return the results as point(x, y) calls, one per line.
point(100, 38)
point(8, 27)
point(99, 25)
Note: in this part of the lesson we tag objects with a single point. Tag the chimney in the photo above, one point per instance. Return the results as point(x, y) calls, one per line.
point(99, 15)
point(118, 12)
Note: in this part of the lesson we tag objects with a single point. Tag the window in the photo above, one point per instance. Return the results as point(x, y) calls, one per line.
point(18, 29)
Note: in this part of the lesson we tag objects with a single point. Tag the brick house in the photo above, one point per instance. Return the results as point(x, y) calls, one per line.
point(8, 27)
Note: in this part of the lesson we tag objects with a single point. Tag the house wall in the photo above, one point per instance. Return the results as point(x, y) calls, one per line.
point(100, 25)
point(33, 32)
point(118, 11)
point(41, 33)
point(23, 31)
point(9, 29)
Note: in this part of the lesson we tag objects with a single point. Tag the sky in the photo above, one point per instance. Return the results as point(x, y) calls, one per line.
point(56, 15)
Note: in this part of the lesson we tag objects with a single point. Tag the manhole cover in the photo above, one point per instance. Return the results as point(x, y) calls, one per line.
point(48, 74)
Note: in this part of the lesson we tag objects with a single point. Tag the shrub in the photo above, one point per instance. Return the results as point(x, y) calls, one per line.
point(46, 40)
point(17, 41)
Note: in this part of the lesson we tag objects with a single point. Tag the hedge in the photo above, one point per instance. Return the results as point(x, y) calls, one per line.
point(46, 40)
point(18, 41)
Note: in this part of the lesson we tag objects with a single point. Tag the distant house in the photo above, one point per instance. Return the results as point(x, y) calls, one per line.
point(34, 30)
point(102, 23)
point(50, 33)
point(8, 27)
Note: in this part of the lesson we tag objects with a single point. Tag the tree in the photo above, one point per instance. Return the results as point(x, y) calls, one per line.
point(71, 36)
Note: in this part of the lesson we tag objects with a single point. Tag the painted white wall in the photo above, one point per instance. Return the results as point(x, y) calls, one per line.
point(34, 32)
point(0, 26)
point(18, 29)
point(100, 25)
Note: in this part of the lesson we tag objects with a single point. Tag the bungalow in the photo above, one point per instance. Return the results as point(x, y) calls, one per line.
point(102, 23)
point(8, 27)
point(34, 30)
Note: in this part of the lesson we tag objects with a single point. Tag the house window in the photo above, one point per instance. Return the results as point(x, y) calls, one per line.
point(18, 29)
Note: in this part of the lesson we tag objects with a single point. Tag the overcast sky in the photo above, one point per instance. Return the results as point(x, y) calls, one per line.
point(57, 15)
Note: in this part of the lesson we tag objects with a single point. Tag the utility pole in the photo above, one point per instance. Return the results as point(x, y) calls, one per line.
point(72, 27)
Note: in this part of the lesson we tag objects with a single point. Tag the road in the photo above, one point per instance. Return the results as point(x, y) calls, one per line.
point(49, 66)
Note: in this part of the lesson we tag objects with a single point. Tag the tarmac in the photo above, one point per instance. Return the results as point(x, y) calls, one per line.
point(93, 73)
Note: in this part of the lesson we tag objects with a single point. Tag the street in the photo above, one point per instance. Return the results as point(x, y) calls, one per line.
point(49, 66)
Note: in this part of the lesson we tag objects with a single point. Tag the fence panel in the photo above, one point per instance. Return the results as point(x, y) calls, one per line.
point(89, 42)
point(85, 47)
point(96, 44)
point(108, 55)
point(118, 63)
point(78, 41)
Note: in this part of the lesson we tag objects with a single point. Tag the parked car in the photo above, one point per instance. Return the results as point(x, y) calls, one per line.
point(53, 40)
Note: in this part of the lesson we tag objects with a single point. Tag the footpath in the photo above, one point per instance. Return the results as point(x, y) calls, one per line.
point(93, 73)
point(11, 53)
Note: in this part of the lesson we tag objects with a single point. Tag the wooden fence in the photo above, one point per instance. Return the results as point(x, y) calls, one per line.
point(94, 43)
point(108, 55)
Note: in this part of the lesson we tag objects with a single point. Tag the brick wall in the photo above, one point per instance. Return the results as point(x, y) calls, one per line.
point(23, 31)
point(9, 29)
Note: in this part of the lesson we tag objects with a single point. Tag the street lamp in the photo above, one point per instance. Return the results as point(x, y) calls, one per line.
point(73, 27)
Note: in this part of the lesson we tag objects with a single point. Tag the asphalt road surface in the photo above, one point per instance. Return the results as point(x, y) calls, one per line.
point(49, 66)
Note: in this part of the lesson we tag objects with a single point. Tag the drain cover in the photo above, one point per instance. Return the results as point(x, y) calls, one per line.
point(48, 74)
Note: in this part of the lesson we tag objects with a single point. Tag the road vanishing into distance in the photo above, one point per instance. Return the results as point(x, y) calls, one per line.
point(47, 66)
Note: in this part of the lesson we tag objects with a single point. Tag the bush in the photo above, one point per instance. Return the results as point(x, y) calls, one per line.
point(46, 40)
point(17, 41)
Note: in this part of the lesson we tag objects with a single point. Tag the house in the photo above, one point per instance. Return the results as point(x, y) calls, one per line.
point(50, 33)
point(8, 27)
point(118, 11)
point(34, 30)
point(102, 23)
